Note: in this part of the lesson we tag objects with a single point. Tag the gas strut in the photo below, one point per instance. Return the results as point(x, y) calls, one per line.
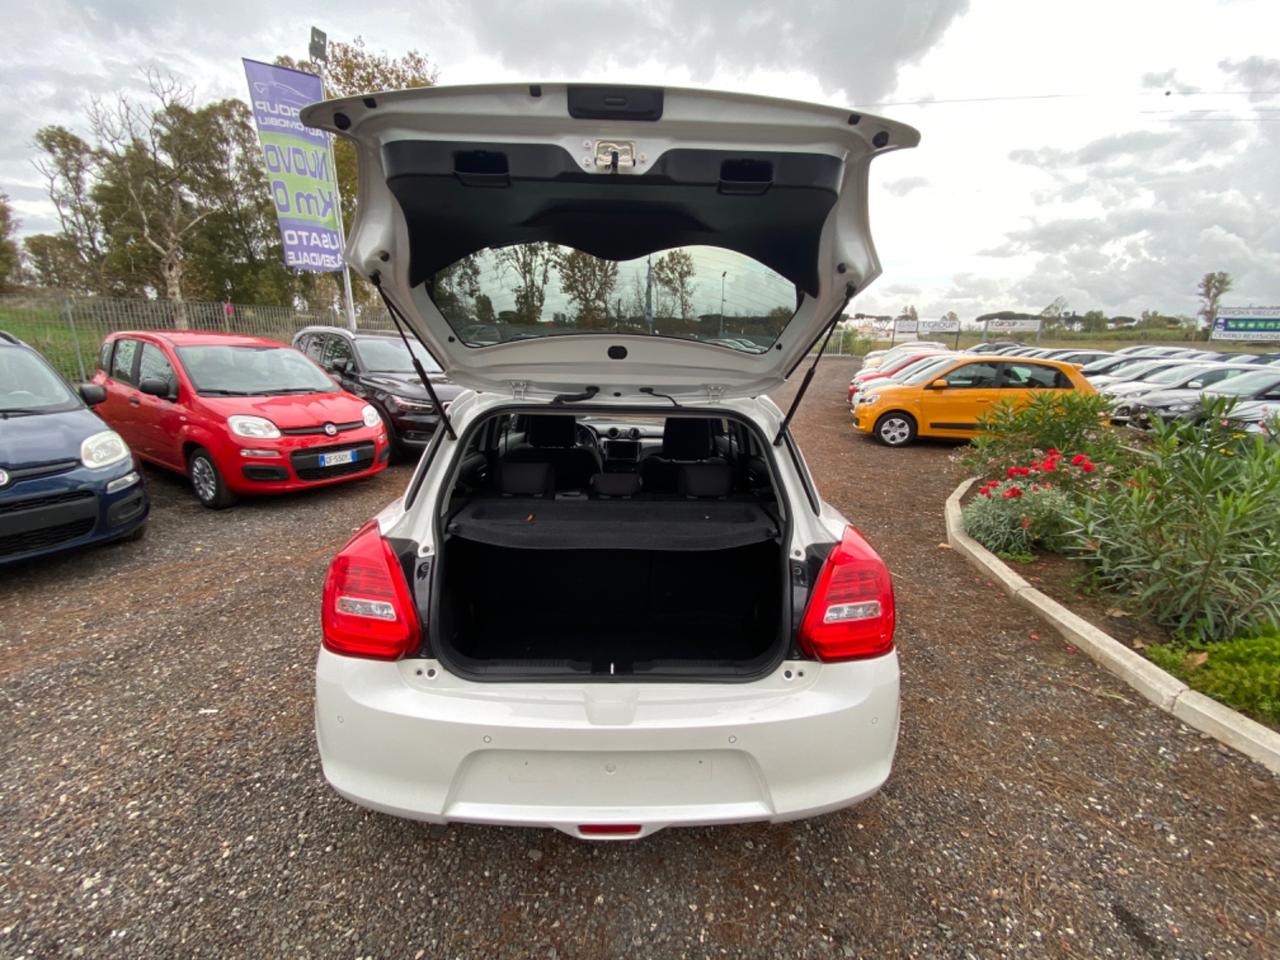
point(808, 375)
point(396, 318)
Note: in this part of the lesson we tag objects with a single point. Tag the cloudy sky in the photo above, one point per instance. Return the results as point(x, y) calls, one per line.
point(1106, 152)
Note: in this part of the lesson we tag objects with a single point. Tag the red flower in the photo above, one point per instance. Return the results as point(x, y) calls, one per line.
point(984, 492)
point(1053, 452)
point(1026, 522)
point(1047, 485)
point(1079, 458)
point(1012, 493)
point(1050, 465)
point(1088, 467)
point(1035, 487)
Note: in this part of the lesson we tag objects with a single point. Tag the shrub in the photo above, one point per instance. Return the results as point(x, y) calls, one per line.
point(1052, 419)
point(1013, 517)
point(1194, 533)
point(1243, 673)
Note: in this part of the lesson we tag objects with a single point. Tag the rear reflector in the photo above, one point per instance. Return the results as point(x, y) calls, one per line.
point(608, 829)
point(367, 610)
point(850, 614)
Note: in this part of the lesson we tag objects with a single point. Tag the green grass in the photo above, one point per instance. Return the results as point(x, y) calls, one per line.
point(48, 332)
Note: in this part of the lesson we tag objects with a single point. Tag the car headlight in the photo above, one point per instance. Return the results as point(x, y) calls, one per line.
point(257, 428)
point(103, 449)
point(370, 416)
point(407, 403)
point(869, 398)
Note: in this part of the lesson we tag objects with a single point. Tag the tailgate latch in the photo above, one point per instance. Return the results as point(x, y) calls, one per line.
point(614, 155)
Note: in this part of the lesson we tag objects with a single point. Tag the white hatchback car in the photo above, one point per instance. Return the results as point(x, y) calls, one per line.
point(610, 600)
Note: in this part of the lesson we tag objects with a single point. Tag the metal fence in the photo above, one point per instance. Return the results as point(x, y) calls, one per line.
point(69, 330)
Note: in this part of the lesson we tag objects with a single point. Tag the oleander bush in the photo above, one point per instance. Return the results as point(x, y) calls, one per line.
point(1192, 533)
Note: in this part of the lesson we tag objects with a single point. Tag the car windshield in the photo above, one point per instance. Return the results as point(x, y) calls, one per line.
point(388, 355)
point(27, 385)
point(533, 290)
point(1178, 375)
point(1247, 384)
point(252, 371)
point(926, 372)
point(1134, 368)
point(1104, 365)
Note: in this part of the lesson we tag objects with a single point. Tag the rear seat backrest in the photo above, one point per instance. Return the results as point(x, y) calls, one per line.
point(526, 479)
point(711, 479)
point(615, 484)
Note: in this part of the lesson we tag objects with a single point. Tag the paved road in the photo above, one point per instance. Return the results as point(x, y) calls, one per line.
point(161, 796)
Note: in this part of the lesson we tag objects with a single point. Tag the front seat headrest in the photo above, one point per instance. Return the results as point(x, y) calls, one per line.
point(687, 438)
point(549, 430)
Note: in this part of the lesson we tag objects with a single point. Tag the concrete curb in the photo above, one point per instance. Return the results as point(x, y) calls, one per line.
point(1167, 692)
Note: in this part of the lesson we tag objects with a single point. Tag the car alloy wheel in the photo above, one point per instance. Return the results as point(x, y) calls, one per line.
point(894, 430)
point(203, 479)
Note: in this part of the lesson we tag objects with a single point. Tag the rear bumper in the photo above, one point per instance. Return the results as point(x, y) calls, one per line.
point(412, 740)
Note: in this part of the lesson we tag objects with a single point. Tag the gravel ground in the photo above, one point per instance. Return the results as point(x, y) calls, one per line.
point(161, 795)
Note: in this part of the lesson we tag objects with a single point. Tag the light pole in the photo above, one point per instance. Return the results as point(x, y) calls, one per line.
point(319, 50)
point(722, 276)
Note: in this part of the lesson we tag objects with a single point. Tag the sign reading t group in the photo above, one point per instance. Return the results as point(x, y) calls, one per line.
point(1253, 324)
point(299, 166)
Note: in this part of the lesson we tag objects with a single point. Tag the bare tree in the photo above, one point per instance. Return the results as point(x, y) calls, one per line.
point(151, 155)
point(70, 167)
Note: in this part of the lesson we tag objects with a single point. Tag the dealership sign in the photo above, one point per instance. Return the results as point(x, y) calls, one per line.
point(905, 326)
point(940, 326)
point(1031, 325)
point(299, 166)
point(1247, 323)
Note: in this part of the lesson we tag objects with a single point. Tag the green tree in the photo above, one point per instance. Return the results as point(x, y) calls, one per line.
point(52, 262)
point(1211, 290)
point(531, 263)
point(589, 282)
point(1095, 321)
point(76, 255)
point(673, 273)
point(8, 246)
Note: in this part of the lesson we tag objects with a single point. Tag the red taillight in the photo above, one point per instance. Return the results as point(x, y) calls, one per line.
point(367, 608)
point(850, 614)
point(608, 829)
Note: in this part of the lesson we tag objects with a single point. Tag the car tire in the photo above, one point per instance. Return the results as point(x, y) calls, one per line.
point(206, 481)
point(393, 442)
point(895, 429)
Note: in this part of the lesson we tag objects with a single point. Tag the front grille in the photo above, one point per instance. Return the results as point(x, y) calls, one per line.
point(319, 429)
point(43, 470)
point(325, 473)
point(47, 537)
point(48, 500)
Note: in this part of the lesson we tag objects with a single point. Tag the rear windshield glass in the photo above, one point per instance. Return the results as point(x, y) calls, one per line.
point(1177, 374)
point(544, 290)
point(252, 371)
point(388, 355)
point(1248, 384)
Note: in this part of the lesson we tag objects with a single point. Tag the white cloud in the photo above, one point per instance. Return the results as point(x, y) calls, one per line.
point(1115, 181)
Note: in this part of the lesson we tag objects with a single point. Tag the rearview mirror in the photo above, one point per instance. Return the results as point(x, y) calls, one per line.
point(939, 384)
point(93, 393)
point(155, 387)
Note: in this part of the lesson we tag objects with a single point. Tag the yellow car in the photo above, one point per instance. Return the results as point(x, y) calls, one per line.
point(946, 399)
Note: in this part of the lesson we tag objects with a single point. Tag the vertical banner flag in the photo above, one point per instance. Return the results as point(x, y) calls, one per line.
point(299, 166)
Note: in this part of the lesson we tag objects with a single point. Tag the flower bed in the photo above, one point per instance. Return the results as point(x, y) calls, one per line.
point(1181, 525)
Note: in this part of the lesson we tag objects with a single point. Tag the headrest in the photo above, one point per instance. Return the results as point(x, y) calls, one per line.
point(685, 438)
point(714, 479)
point(526, 479)
point(552, 431)
point(615, 484)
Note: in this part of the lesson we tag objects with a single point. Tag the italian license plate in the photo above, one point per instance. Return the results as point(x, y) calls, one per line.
point(333, 459)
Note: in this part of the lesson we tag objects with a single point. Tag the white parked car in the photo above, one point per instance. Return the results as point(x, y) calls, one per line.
point(611, 599)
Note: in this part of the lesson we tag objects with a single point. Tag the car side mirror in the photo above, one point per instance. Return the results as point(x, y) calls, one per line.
point(155, 387)
point(93, 393)
point(940, 384)
point(341, 366)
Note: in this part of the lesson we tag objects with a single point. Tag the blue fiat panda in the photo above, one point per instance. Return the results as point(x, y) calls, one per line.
point(66, 480)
